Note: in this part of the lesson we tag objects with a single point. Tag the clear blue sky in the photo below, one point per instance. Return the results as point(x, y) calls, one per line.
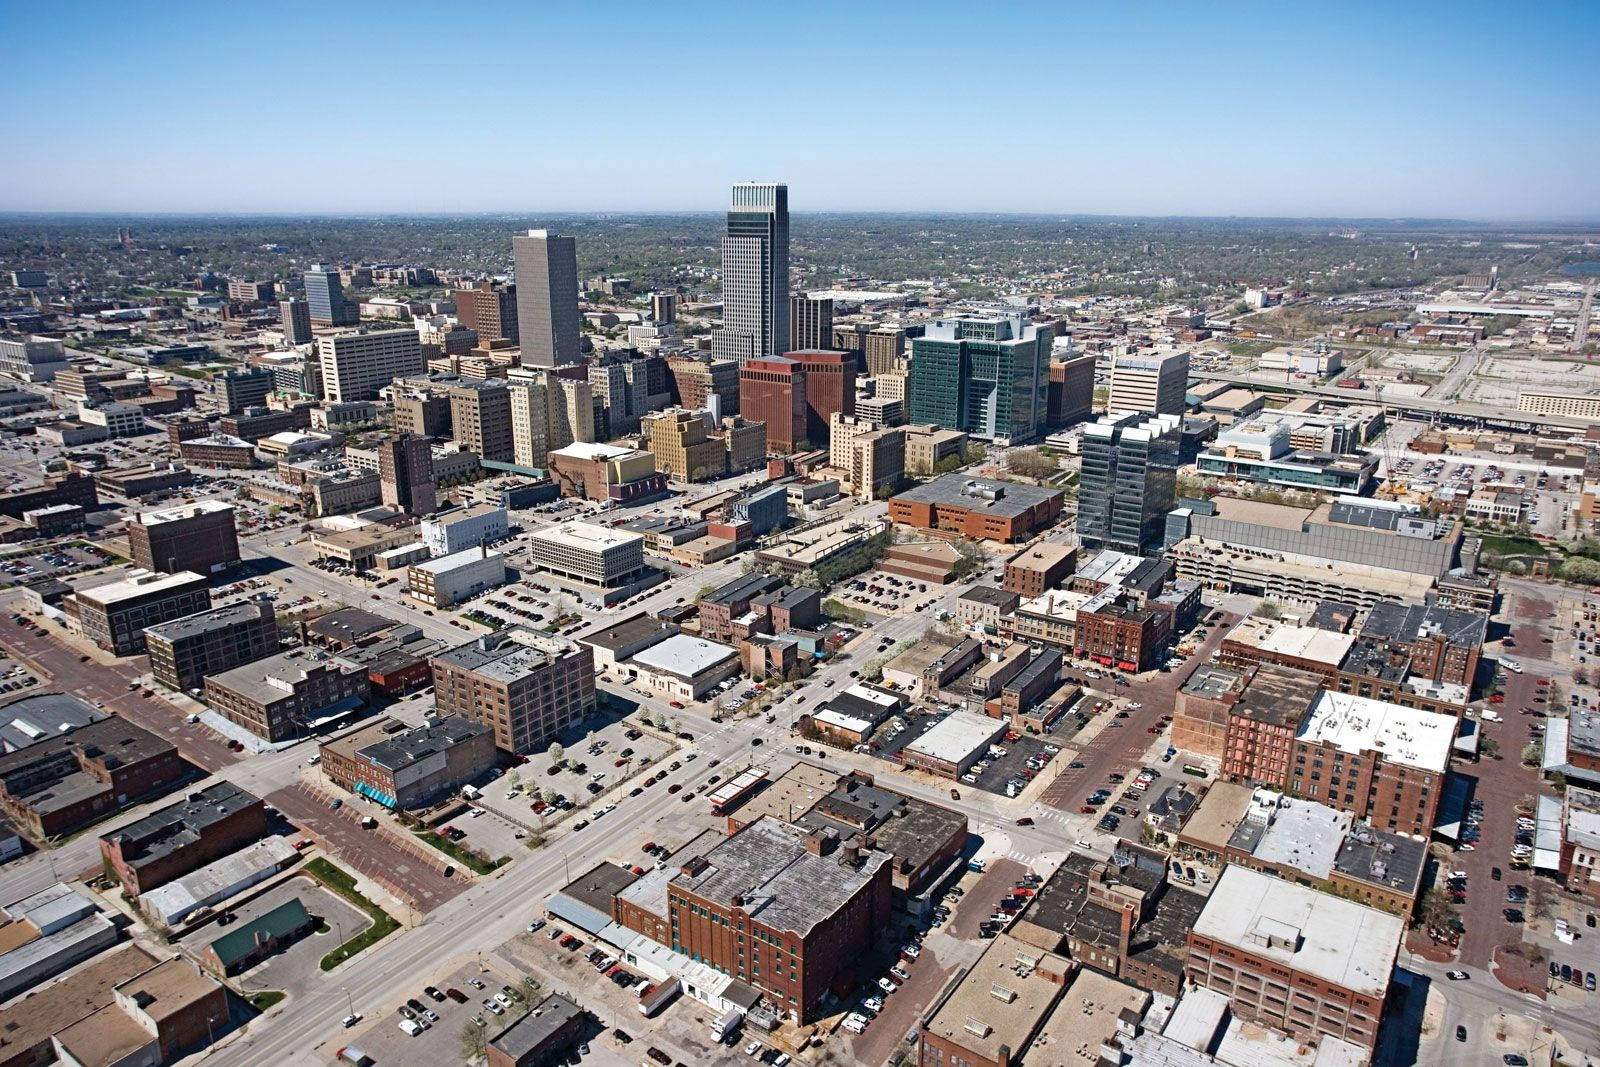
point(1467, 109)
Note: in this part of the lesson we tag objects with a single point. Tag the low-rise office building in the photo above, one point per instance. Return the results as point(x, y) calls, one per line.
point(953, 745)
point(184, 651)
point(588, 553)
point(409, 767)
point(278, 697)
point(540, 1036)
point(684, 667)
point(977, 508)
point(462, 528)
point(115, 616)
point(459, 576)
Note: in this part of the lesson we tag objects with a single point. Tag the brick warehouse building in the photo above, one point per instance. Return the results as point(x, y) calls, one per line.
point(1292, 958)
point(68, 781)
point(781, 909)
point(979, 509)
point(184, 651)
point(198, 537)
point(183, 837)
point(524, 686)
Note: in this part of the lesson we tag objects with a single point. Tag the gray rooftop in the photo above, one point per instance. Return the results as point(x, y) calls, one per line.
point(596, 886)
point(1212, 681)
point(180, 824)
point(1007, 499)
point(407, 747)
point(530, 1032)
point(349, 625)
point(743, 589)
point(208, 621)
point(264, 679)
point(991, 595)
point(36, 718)
point(779, 882)
point(502, 657)
point(1279, 695)
point(1411, 622)
point(1385, 859)
point(629, 632)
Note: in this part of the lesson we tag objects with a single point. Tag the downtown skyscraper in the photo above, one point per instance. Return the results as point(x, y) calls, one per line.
point(755, 274)
point(547, 298)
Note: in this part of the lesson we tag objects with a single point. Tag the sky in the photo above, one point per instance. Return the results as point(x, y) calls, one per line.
point(1335, 109)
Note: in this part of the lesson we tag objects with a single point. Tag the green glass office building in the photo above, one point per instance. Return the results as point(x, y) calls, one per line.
point(986, 375)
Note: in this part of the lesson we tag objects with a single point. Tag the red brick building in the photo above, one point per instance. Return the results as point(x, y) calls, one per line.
point(183, 837)
point(773, 390)
point(781, 909)
point(830, 387)
point(68, 781)
point(1263, 723)
point(1039, 568)
point(979, 509)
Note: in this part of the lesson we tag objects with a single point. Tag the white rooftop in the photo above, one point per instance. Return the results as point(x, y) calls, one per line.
point(684, 656)
point(1288, 639)
point(592, 450)
point(455, 560)
point(1337, 940)
point(585, 535)
point(183, 511)
point(138, 582)
point(1356, 724)
point(953, 739)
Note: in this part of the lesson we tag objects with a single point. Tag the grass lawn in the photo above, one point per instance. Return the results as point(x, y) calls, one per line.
point(265, 999)
point(339, 881)
point(459, 854)
point(1501, 545)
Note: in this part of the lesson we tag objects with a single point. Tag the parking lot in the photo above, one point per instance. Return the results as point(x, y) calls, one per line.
point(15, 677)
point(439, 1042)
point(53, 562)
point(599, 762)
point(372, 852)
point(886, 594)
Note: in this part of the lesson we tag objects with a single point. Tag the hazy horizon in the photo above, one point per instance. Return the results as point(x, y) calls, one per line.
point(1433, 112)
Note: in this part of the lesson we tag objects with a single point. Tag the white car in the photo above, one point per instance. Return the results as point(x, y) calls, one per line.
point(752, 1048)
point(886, 985)
point(475, 812)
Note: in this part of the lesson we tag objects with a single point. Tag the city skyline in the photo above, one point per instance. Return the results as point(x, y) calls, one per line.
point(1165, 112)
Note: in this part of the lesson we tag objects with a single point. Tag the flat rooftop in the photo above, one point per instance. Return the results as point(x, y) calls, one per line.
point(1085, 1018)
point(1274, 637)
point(1356, 724)
point(38, 718)
point(139, 583)
point(1300, 834)
point(783, 884)
point(507, 655)
point(684, 656)
point(1003, 1000)
point(1221, 810)
point(792, 794)
point(179, 825)
point(1381, 858)
point(50, 1008)
point(456, 560)
point(1007, 499)
point(1213, 682)
point(348, 626)
point(1279, 695)
point(405, 748)
point(629, 632)
point(271, 679)
point(585, 536)
point(208, 621)
point(957, 736)
point(1334, 939)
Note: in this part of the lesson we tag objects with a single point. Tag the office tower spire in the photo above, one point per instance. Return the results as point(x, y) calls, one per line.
point(755, 274)
point(547, 298)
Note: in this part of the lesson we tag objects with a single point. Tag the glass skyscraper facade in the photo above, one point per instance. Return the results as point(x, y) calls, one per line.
point(755, 274)
point(986, 375)
point(325, 298)
point(1128, 481)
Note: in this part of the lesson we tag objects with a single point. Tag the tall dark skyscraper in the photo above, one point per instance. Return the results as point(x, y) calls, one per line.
point(405, 474)
point(296, 320)
point(755, 274)
point(1129, 480)
point(547, 298)
point(325, 297)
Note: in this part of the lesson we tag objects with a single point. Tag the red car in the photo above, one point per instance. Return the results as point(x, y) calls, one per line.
point(1086, 809)
point(675, 704)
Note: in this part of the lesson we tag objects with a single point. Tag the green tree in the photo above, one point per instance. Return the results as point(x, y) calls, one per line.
point(557, 753)
point(472, 1042)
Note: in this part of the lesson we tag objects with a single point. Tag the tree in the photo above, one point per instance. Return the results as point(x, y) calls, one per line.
point(1490, 749)
point(1269, 609)
point(472, 1042)
point(514, 779)
point(1031, 463)
point(548, 795)
point(795, 675)
point(557, 753)
point(1434, 909)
